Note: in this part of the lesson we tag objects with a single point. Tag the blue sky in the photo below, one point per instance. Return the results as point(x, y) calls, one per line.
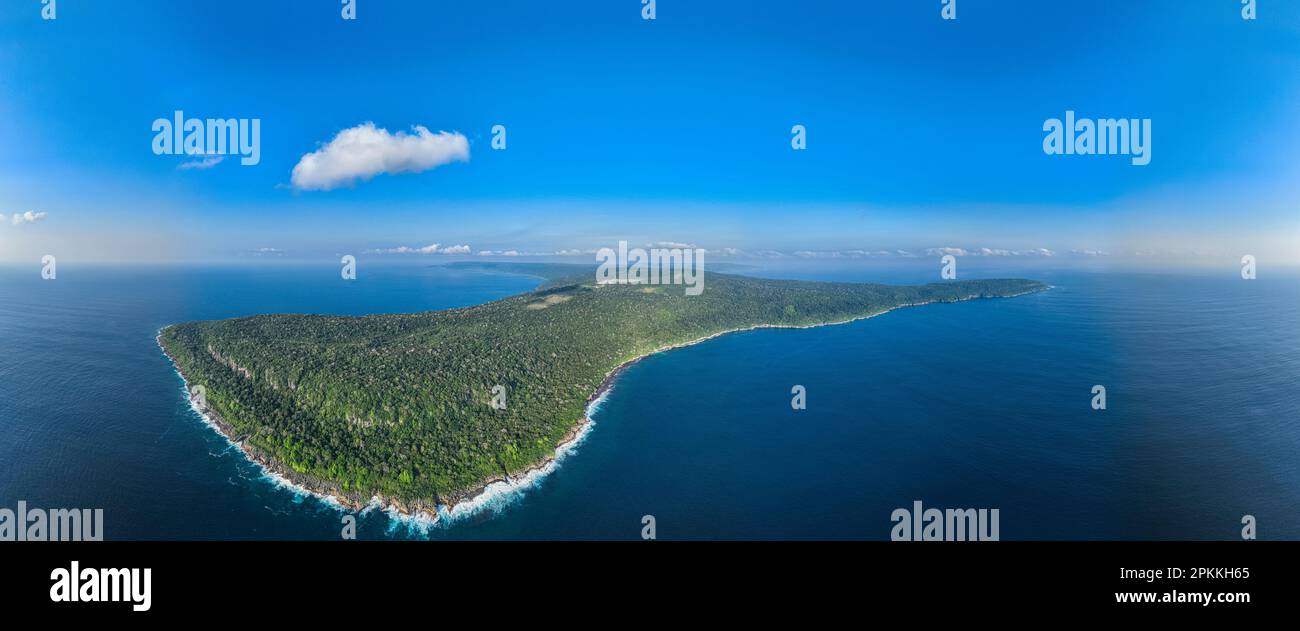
point(922, 133)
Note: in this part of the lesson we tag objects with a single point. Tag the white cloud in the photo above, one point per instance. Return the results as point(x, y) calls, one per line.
point(943, 251)
point(988, 252)
point(561, 252)
point(364, 151)
point(765, 254)
point(852, 254)
point(403, 249)
point(206, 162)
point(432, 248)
point(19, 219)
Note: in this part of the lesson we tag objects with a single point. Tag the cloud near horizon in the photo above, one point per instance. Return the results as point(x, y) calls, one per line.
point(19, 219)
point(858, 254)
point(362, 152)
point(988, 252)
point(733, 252)
point(432, 248)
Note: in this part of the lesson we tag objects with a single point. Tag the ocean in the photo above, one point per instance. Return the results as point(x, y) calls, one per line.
point(983, 404)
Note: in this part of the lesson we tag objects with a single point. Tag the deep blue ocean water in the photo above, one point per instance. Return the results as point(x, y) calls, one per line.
point(982, 404)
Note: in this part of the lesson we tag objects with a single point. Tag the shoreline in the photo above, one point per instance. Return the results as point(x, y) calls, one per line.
point(461, 505)
point(489, 493)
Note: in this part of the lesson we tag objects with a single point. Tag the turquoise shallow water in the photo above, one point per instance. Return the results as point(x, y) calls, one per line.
point(981, 404)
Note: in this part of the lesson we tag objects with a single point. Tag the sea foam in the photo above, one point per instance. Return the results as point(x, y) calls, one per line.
point(495, 497)
point(498, 496)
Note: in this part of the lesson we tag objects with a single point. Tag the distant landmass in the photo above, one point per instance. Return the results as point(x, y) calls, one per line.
point(405, 408)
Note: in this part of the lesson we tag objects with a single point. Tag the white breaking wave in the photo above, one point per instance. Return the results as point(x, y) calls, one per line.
point(495, 497)
point(267, 475)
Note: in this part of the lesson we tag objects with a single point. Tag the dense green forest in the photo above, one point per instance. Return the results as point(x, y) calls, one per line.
point(400, 405)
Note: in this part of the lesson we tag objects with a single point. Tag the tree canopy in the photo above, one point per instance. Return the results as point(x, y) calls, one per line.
point(401, 405)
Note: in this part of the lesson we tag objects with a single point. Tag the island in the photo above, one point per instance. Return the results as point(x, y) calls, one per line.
point(405, 409)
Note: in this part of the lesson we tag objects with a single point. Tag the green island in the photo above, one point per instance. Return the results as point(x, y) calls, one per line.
point(400, 407)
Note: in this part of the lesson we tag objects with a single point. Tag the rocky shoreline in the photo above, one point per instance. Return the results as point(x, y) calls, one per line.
point(330, 491)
